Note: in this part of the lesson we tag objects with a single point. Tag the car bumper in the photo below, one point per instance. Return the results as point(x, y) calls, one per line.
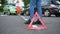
point(55, 10)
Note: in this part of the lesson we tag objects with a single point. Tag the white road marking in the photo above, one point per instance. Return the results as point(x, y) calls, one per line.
point(24, 18)
point(3, 15)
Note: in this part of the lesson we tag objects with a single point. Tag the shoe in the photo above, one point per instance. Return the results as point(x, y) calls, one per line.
point(38, 22)
point(28, 22)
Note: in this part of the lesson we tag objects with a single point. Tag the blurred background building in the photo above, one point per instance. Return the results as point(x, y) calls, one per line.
point(21, 3)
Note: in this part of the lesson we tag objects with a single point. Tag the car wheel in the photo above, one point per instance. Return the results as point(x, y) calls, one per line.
point(47, 13)
point(59, 11)
point(57, 15)
point(26, 13)
point(4, 12)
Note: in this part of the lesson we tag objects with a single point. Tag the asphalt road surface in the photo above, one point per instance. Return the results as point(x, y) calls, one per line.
point(15, 25)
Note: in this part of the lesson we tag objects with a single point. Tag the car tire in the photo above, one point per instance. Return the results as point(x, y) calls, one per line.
point(4, 12)
point(57, 15)
point(26, 13)
point(47, 13)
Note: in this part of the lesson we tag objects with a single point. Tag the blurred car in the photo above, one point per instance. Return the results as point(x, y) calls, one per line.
point(57, 9)
point(5, 9)
point(10, 9)
point(48, 8)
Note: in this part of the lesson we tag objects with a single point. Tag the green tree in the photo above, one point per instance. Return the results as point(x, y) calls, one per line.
point(26, 2)
point(3, 2)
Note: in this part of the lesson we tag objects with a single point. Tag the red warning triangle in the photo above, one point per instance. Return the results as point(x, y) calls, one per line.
point(30, 27)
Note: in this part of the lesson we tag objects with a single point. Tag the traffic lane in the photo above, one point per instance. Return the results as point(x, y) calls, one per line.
point(9, 24)
point(52, 24)
point(15, 25)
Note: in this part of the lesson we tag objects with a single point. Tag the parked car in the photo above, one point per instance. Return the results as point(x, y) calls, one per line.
point(9, 9)
point(5, 9)
point(57, 9)
point(48, 8)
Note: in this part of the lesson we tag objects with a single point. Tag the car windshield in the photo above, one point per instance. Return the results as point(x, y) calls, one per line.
point(12, 4)
point(46, 2)
point(56, 2)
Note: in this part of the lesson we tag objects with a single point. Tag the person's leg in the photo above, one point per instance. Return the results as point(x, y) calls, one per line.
point(32, 3)
point(39, 8)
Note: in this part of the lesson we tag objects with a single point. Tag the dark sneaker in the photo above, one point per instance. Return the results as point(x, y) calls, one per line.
point(38, 22)
point(28, 22)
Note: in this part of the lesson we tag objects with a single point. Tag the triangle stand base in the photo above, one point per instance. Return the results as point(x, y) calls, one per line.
point(36, 27)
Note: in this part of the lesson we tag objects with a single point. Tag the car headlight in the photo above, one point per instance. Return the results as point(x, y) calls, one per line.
point(59, 10)
point(52, 5)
